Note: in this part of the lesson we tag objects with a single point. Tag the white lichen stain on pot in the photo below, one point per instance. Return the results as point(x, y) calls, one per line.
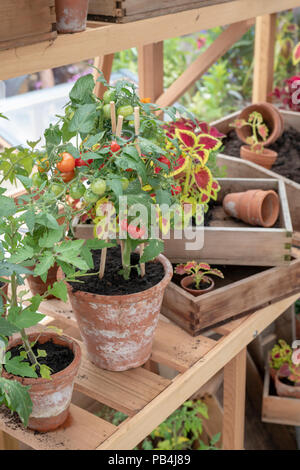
point(46, 406)
point(69, 22)
point(230, 207)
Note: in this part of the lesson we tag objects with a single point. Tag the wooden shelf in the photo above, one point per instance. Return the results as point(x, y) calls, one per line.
point(144, 396)
point(106, 38)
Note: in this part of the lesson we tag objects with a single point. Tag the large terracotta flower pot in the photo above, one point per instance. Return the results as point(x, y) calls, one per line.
point(71, 15)
point(118, 330)
point(271, 117)
point(37, 286)
point(266, 159)
point(284, 390)
point(188, 280)
point(50, 398)
point(254, 207)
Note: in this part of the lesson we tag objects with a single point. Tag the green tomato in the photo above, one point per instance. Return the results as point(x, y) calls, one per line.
point(77, 190)
point(57, 189)
point(108, 96)
point(106, 111)
point(90, 197)
point(125, 110)
point(38, 179)
point(125, 183)
point(98, 186)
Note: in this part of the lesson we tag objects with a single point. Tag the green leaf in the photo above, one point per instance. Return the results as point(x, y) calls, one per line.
point(7, 328)
point(115, 185)
point(93, 139)
point(16, 366)
point(74, 260)
point(29, 218)
point(46, 262)
point(71, 245)
point(83, 89)
point(7, 206)
point(51, 237)
point(7, 269)
point(83, 119)
point(16, 397)
point(45, 371)
point(59, 289)
point(28, 318)
point(24, 252)
point(152, 249)
point(41, 353)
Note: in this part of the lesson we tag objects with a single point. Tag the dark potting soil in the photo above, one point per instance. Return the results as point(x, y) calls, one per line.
point(1, 284)
point(58, 357)
point(113, 282)
point(202, 286)
point(287, 147)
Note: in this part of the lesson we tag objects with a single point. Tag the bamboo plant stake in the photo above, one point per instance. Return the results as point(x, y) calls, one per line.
point(137, 131)
point(118, 132)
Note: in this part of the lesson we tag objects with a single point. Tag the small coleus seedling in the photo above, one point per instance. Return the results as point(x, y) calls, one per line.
point(281, 354)
point(259, 131)
point(291, 372)
point(198, 271)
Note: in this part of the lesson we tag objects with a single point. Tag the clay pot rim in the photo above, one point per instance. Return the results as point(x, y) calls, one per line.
point(268, 153)
point(125, 297)
point(191, 277)
point(277, 378)
point(54, 377)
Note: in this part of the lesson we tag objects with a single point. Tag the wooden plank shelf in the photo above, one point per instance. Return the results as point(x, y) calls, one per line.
point(144, 396)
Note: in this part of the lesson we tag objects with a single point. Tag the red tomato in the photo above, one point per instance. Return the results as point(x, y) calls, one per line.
point(175, 189)
point(114, 146)
point(67, 176)
point(67, 163)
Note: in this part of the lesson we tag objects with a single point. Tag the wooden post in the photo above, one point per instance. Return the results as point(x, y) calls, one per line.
point(151, 70)
point(7, 442)
point(265, 35)
point(234, 402)
point(103, 63)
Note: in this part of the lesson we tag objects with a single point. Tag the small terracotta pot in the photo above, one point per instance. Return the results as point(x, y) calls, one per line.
point(118, 330)
point(284, 390)
point(255, 207)
point(50, 398)
point(188, 280)
point(37, 286)
point(266, 159)
point(271, 117)
point(71, 15)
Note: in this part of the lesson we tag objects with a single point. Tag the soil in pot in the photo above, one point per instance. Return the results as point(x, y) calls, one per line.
point(202, 286)
point(51, 398)
point(287, 146)
point(188, 284)
point(113, 283)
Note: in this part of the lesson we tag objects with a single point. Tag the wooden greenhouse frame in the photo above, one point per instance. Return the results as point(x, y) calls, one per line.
point(145, 396)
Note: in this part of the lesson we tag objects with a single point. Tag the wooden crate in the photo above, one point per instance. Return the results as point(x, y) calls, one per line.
point(275, 409)
point(243, 290)
point(26, 22)
point(238, 168)
point(231, 241)
point(125, 11)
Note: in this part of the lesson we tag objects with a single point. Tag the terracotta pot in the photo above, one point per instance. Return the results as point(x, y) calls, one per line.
point(118, 330)
point(188, 280)
point(50, 398)
point(271, 117)
point(4, 289)
point(84, 231)
point(71, 15)
point(266, 159)
point(37, 286)
point(284, 390)
point(254, 207)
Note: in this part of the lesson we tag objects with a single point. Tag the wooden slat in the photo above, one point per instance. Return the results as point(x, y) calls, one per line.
point(139, 426)
point(151, 70)
point(103, 63)
point(82, 431)
point(205, 60)
point(127, 391)
point(234, 402)
point(69, 48)
point(265, 36)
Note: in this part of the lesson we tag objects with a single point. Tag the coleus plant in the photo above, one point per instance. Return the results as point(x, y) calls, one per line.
point(197, 143)
point(118, 151)
point(289, 365)
point(281, 354)
point(258, 128)
point(198, 271)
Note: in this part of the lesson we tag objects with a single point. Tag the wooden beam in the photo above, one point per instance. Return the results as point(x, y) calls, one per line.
point(265, 36)
point(151, 70)
point(234, 402)
point(109, 38)
point(103, 63)
point(216, 50)
point(213, 425)
point(8, 442)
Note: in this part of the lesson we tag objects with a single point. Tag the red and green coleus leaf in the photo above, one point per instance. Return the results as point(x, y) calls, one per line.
point(199, 144)
point(263, 131)
point(215, 272)
point(192, 125)
point(203, 179)
point(215, 188)
point(180, 165)
point(238, 123)
point(296, 54)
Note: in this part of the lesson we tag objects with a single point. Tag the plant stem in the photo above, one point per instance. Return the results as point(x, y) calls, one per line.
point(126, 259)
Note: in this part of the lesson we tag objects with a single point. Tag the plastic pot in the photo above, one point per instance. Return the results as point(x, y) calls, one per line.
point(118, 330)
point(50, 398)
point(254, 207)
point(188, 280)
point(71, 15)
point(271, 117)
point(266, 159)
